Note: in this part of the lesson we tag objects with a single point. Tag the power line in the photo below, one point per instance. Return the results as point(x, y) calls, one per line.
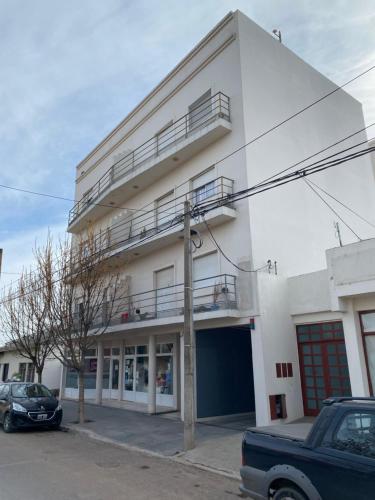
point(342, 204)
point(297, 113)
point(56, 197)
point(226, 256)
point(279, 181)
point(322, 151)
point(331, 208)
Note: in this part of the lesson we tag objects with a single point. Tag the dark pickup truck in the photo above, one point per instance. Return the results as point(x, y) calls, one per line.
point(335, 462)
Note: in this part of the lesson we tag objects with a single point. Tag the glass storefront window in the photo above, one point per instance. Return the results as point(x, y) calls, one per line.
point(130, 350)
point(115, 373)
point(129, 374)
point(141, 382)
point(90, 373)
point(164, 348)
point(164, 374)
point(142, 349)
point(368, 322)
point(71, 381)
point(106, 368)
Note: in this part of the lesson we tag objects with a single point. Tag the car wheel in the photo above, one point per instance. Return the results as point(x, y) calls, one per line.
point(7, 424)
point(289, 493)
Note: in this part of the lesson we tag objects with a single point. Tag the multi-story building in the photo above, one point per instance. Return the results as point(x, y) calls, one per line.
point(237, 83)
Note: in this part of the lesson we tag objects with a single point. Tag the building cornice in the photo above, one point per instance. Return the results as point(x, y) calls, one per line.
point(164, 82)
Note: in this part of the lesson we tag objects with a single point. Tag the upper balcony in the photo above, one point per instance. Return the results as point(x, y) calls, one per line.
point(162, 224)
point(204, 124)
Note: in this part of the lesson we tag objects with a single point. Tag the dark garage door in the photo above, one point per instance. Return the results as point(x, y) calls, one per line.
point(225, 384)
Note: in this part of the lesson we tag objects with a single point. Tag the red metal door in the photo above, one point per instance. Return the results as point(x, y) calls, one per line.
point(323, 364)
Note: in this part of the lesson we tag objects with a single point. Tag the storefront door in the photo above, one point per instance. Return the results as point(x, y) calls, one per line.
point(111, 369)
point(136, 374)
point(323, 364)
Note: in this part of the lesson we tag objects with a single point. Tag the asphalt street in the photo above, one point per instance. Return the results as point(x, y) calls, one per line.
point(46, 465)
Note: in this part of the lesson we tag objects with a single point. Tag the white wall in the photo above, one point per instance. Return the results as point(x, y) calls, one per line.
point(274, 341)
point(290, 224)
point(50, 375)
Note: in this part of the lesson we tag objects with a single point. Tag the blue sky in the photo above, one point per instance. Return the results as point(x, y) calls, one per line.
point(70, 71)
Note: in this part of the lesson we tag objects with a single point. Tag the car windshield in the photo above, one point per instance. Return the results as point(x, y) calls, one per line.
point(30, 391)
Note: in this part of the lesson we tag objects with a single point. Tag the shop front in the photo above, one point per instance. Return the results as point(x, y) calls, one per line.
point(126, 373)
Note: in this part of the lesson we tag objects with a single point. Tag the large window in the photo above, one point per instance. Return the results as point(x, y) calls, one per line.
point(89, 375)
point(204, 186)
point(164, 368)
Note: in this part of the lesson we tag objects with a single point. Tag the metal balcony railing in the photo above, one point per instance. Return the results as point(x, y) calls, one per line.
point(149, 223)
point(217, 106)
point(210, 294)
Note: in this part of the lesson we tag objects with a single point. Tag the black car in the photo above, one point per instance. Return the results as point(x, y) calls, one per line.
point(25, 404)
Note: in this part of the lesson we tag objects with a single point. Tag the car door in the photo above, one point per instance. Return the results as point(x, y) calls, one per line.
point(345, 466)
point(4, 391)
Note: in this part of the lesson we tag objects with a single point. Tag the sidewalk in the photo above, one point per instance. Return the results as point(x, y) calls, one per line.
point(218, 442)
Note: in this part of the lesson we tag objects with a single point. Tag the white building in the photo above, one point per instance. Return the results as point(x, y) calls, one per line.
point(12, 363)
point(234, 85)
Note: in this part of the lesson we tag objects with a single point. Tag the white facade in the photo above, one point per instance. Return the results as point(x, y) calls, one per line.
point(11, 364)
point(345, 292)
point(243, 82)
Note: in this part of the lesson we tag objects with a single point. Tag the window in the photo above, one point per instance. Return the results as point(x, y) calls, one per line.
point(22, 371)
point(4, 391)
point(164, 137)
point(204, 186)
point(5, 372)
point(205, 266)
point(356, 434)
point(30, 372)
point(165, 210)
point(200, 110)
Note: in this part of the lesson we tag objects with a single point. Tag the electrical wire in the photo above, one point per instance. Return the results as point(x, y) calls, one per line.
point(213, 239)
point(342, 204)
point(297, 113)
point(56, 197)
point(331, 208)
point(266, 132)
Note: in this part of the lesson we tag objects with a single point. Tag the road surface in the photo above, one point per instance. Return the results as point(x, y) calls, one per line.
point(46, 465)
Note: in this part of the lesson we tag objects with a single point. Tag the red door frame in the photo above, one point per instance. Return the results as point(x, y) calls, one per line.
point(323, 343)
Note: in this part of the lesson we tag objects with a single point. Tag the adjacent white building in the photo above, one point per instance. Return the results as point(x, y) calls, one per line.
point(13, 366)
point(234, 85)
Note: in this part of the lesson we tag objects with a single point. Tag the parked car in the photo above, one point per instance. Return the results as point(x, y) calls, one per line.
point(336, 460)
point(25, 404)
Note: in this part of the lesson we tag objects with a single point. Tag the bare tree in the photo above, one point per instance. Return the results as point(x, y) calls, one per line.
point(25, 317)
point(82, 289)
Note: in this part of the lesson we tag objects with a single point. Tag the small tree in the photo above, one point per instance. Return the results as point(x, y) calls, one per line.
point(25, 317)
point(82, 288)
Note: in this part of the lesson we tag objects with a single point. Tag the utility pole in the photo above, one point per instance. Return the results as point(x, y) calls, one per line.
point(337, 232)
point(189, 337)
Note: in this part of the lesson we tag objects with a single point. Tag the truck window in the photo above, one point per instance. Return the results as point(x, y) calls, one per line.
point(356, 434)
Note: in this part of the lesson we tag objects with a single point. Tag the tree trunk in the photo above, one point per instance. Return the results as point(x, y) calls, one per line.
point(81, 398)
point(39, 376)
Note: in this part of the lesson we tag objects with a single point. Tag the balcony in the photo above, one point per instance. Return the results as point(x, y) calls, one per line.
point(211, 296)
point(159, 155)
point(160, 226)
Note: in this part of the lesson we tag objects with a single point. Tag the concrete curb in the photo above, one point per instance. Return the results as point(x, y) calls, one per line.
point(179, 458)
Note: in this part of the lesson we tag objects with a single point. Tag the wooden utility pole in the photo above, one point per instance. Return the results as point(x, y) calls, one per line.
point(189, 337)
